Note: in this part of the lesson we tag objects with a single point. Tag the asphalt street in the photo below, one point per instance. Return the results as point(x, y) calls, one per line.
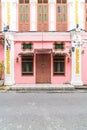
point(43, 111)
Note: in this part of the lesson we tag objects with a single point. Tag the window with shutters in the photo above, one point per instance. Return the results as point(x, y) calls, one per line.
point(59, 45)
point(42, 17)
point(26, 46)
point(61, 15)
point(24, 13)
point(59, 65)
point(85, 14)
point(0, 14)
point(27, 65)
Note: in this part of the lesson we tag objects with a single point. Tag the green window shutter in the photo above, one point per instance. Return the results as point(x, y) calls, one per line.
point(40, 9)
point(40, 17)
point(24, 67)
point(64, 9)
point(59, 46)
point(21, 9)
point(26, 17)
point(21, 17)
point(44, 17)
point(26, 9)
point(30, 66)
point(64, 17)
point(27, 46)
point(45, 9)
point(59, 18)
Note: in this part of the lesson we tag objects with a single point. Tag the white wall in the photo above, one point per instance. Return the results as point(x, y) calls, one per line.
point(52, 14)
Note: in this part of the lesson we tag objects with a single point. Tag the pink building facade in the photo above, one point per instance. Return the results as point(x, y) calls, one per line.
point(41, 43)
point(44, 58)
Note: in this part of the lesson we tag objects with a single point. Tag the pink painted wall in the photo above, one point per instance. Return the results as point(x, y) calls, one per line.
point(1, 52)
point(47, 43)
point(2, 55)
point(67, 77)
point(18, 76)
point(84, 61)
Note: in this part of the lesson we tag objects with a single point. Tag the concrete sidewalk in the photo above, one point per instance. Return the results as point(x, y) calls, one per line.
point(41, 87)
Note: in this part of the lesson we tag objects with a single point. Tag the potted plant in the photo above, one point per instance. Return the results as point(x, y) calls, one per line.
point(1, 72)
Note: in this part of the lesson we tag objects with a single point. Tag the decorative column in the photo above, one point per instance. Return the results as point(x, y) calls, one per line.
point(52, 15)
point(33, 15)
point(76, 58)
point(76, 12)
point(9, 59)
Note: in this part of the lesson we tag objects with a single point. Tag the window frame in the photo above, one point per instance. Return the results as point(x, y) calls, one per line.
point(42, 1)
point(24, 17)
point(23, 1)
point(58, 61)
point(61, 16)
point(30, 60)
point(27, 46)
point(85, 1)
point(43, 17)
point(60, 44)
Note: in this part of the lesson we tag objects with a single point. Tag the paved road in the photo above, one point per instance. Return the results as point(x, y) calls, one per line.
point(43, 111)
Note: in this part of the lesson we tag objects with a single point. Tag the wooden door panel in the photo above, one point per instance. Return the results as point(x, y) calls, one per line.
point(43, 68)
point(24, 18)
point(61, 17)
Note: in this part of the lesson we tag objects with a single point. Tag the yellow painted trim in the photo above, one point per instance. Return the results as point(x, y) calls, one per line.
point(76, 12)
point(8, 13)
point(77, 61)
point(7, 61)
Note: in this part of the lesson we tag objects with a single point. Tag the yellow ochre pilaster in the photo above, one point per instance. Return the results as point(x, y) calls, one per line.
point(8, 61)
point(76, 12)
point(8, 12)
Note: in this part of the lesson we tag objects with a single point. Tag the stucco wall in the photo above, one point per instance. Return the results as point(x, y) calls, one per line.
point(1, 52)
point(38, 43)
point(84, 60)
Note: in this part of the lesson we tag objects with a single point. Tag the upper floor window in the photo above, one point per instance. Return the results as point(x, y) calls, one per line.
point(61, 1)
point(61, 15)
point(24, 12)
point(23, 1)
point(42, 22)
point(42, 1)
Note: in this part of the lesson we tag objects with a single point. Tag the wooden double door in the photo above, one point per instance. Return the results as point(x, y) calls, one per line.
point(43, 68)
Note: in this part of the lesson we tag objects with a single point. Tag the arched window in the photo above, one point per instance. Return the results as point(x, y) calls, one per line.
point(24, 15)
point(61, 15)
point(42, 17)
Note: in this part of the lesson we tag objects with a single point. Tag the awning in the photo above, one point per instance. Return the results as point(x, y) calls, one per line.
point(62, 52)
point(26, 53)
point(43, 51)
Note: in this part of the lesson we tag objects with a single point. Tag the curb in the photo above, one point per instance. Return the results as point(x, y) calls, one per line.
point(39, 88)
